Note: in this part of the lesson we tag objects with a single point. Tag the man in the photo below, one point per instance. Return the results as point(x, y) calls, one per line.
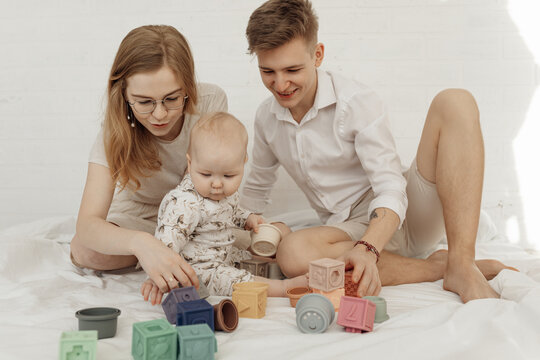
point(332, 136)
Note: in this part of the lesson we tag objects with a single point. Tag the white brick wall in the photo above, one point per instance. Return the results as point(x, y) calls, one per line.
point(55, 56)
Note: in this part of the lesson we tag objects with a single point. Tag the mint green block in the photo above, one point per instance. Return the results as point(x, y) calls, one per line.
point(78, 345)
point(154, 340)
point(196, 342)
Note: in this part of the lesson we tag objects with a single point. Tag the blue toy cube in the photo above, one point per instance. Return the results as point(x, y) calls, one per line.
point(78, 345)
point(196, 342)
point(195, 312)
point(175, 297)
point(154, 340)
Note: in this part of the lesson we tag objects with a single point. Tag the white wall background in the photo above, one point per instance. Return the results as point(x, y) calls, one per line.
point(55, 56)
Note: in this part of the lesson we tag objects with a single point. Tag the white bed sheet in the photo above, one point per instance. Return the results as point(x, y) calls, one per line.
point(40, 291)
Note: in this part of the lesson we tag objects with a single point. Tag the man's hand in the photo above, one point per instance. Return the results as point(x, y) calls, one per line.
point(365, 271)
point(253, 221)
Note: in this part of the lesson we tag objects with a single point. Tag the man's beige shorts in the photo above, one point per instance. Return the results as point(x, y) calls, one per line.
point(423, 227)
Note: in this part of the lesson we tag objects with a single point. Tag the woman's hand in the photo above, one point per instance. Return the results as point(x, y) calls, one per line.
point(365, 271)
point(164, 267)
point(149, 290)
point(253, 221)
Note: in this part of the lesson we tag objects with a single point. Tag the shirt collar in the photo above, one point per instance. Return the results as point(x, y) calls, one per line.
point(324, 97)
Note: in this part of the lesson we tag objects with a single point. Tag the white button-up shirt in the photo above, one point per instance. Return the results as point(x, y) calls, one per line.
point(340, 149)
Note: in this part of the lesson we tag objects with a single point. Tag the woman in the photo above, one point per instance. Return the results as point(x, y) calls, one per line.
point(153, 101)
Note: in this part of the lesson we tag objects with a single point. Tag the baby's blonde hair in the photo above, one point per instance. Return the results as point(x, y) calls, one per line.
point(221, 127)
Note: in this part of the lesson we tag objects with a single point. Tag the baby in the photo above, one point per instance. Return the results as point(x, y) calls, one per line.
point(195, 219)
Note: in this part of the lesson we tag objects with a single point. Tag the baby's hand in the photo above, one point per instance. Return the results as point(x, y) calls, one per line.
point(253, 221)
point(151, 291)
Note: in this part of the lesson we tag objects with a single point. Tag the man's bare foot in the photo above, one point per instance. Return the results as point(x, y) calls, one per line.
point(468, 282)
point(488, 267)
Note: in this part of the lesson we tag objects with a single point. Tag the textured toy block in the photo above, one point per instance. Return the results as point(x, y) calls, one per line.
point(78, 345)
point(154, 340)
point(196, 342)
point(326, 274)
point(334, 296)
point(256, 267)
point(351, 289)
point(356, 314)
point(175, 297)
point(195, 312)
point(250, 299)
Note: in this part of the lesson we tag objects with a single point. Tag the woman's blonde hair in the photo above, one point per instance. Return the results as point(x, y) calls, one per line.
point(132, 152)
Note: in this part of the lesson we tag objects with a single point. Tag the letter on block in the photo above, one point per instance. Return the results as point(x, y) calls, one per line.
point(154, 339)
point(78, 345)
point(326, 274)
point(196, 342)
point(356, 314)
point(195, 312)
point(177, 296)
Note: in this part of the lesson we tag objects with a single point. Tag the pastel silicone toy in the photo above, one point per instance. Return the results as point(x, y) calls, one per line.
point(177, 296)
point(274, 271)
point(356, 314)
point(265, 242)
point(314, 313)
point(334, 296)
point(195, 312)
point(255, 266)
point(196, 342)
point(380, 314)
point(351, 289)
point(75, 345)
point(154, 339)
point(102, 319)
point(203, 290)
point(326, 274)
point(225, 316)
point(250, 299)
point(296, 293)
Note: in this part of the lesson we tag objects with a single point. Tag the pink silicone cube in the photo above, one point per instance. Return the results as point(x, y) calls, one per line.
point(356, 314)
point(326, 274)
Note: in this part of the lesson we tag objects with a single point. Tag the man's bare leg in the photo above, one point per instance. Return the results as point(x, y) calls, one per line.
point(451, 155)
point(298, 248)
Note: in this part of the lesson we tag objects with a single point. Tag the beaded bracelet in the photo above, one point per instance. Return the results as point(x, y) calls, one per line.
point(369, 247)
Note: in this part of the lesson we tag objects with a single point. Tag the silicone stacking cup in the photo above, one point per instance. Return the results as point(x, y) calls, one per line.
point(314, 313)
point(225, 316)
point(265, 242)
point(296, 293)
point(274, 271)
point(380, 312)
point(102, 319)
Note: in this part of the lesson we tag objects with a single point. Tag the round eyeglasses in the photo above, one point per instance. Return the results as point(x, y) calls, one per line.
point(172, 102)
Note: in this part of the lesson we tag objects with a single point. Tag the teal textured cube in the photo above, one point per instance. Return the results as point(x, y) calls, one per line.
point(154, 340)
point(196, 342)
point(78, 345)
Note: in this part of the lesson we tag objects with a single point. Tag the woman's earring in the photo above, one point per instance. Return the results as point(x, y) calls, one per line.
point(131, 119)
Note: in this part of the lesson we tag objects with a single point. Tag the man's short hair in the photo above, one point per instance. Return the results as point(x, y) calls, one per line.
point(276, 22)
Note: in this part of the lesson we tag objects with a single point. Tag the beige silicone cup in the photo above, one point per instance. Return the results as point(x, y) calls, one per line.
point(265, 242)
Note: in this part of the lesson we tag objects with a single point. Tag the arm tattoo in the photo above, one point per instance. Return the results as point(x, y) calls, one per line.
point(374, 214)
